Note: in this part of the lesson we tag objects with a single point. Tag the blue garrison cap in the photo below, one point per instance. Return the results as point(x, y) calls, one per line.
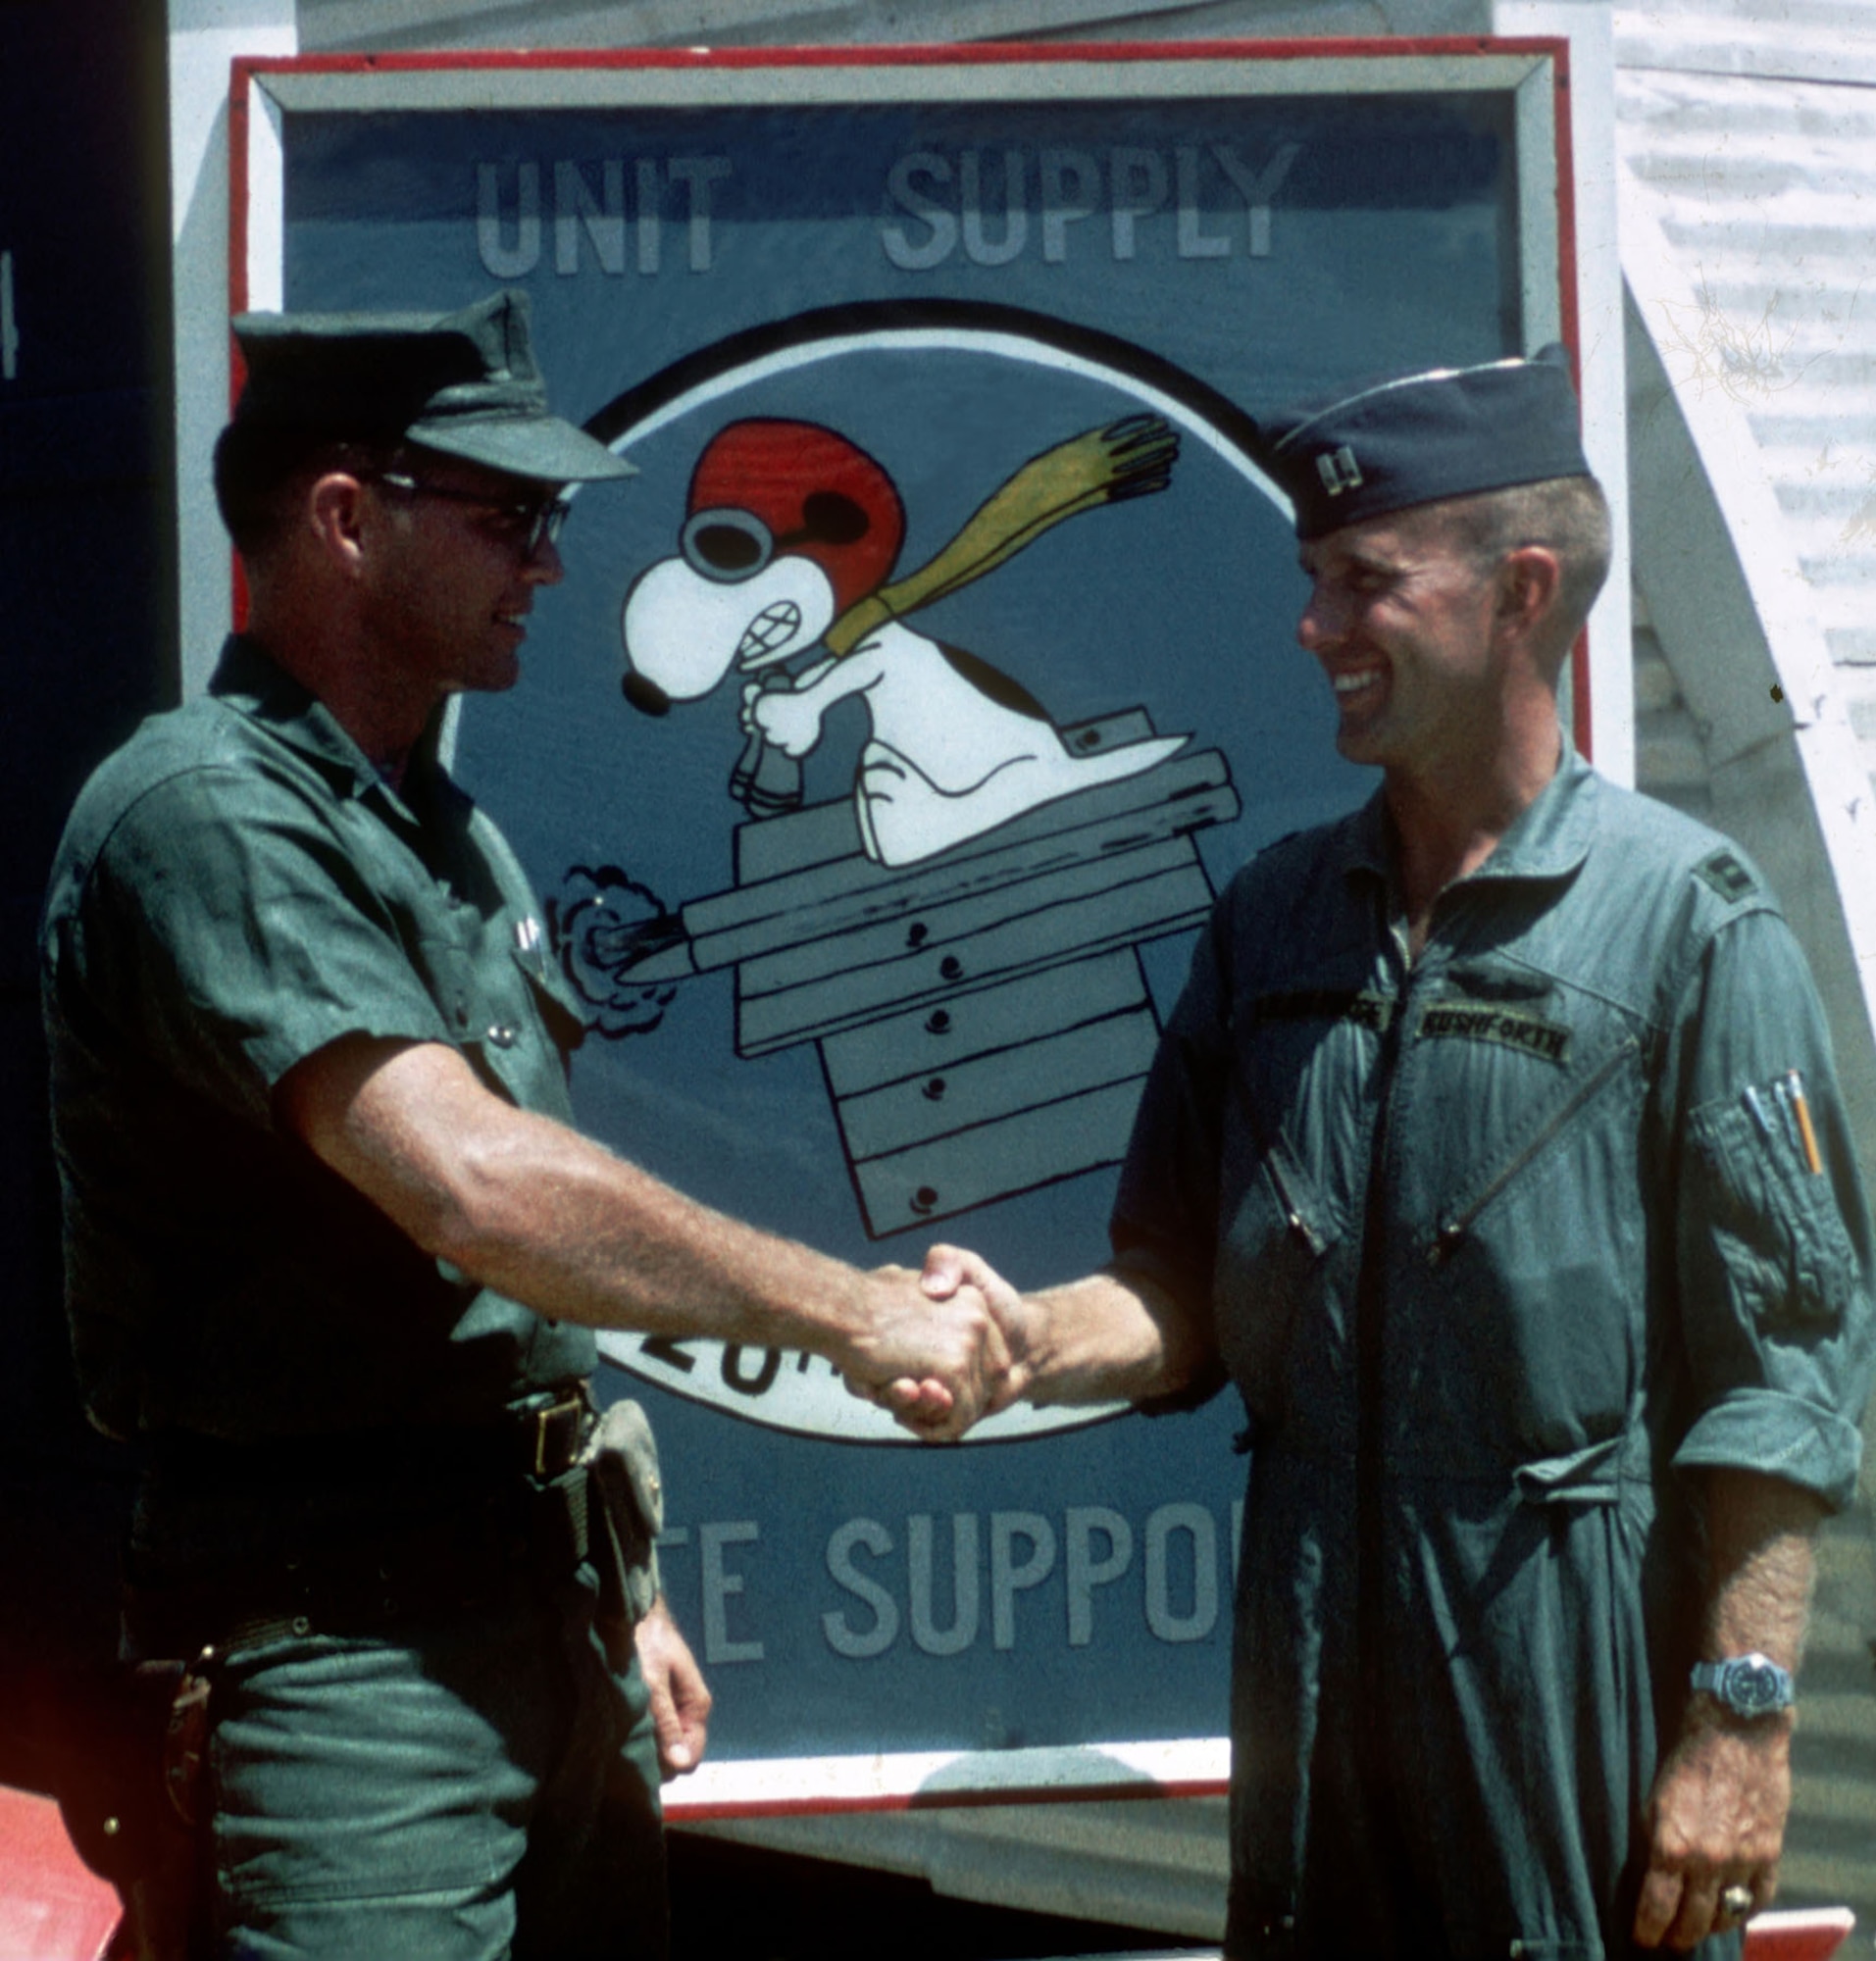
point(1413, 438)
point(466, 383)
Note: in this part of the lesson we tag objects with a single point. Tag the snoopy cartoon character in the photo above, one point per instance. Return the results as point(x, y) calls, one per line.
point(789, 537)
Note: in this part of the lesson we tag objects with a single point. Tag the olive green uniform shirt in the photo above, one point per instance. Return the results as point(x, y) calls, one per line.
point(238, 888)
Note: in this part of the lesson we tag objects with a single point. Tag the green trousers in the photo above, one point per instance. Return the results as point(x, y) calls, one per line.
point(469, 1785)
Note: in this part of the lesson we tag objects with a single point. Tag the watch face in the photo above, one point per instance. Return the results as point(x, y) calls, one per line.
point(1754, 1688)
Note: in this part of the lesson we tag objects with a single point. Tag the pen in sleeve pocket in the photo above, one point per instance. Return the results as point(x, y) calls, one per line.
point(1801, 1110)
point(1781, 1095)
point(1753, 1102)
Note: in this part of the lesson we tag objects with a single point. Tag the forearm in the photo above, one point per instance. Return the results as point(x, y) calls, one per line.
point(1759, 1566)
point(1716, 1816)
point(521, 1204)
point(1105, 1338)
point(553, 1220)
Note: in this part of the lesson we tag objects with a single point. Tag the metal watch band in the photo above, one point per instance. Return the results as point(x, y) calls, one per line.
point(1748, 1685)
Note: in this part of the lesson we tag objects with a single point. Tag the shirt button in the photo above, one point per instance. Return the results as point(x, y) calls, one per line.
point(502, 1035)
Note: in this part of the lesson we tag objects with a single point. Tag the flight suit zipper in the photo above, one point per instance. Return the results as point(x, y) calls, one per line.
point(1454, 1229)
point(1293, 1214)
point(1270, 1151)
point(1369, 1342)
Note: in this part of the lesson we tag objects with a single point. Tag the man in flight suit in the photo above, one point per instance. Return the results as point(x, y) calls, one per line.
point(1495, 1150)
point(336, 1256)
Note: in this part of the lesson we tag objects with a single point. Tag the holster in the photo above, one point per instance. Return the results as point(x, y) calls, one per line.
point(185, 1730)
point(621, 1457)
point(162, 1802)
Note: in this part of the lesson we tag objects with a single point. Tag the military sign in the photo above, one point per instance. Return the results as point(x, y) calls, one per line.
point(893, 730)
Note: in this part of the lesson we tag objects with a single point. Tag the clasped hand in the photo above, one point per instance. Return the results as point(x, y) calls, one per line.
point(945, 1347)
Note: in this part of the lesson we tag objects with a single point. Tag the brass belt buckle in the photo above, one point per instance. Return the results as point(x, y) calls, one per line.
point(557, 1436)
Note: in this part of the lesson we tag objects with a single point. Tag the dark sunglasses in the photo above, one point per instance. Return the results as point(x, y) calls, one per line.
point(528, 523)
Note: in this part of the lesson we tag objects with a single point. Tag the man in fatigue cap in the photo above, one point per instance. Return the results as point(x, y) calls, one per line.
point(1495, 1151)
point(336, 1256)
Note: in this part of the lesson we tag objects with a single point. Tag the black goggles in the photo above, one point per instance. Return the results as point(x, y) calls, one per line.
point(729, 546)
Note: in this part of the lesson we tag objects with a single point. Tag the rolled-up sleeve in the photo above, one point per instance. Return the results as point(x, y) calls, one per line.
point(232, 933)
point(1775, 1260)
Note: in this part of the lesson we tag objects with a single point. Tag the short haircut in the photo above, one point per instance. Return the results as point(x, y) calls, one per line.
point(1569, 516)
point(259, 466)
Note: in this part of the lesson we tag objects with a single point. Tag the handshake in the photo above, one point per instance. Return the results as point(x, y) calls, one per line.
point(954, 1343)
point(943, 1347)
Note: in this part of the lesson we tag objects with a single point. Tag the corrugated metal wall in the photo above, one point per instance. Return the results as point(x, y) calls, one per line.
point(1751, 130)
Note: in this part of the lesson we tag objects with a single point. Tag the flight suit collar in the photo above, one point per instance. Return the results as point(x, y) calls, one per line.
point(1553, 835)
point(1549, 839)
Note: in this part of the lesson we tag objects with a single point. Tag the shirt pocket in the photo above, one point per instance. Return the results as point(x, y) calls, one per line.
point(553, 997)
point(447, 969)
point(503, 1010)
point(1773, 1222)
point(522, 1030)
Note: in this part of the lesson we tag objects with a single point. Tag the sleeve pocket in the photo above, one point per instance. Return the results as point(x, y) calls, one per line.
point(1773, 1221)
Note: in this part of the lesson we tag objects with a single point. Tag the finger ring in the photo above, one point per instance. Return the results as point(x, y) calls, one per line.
point(1737, 1901)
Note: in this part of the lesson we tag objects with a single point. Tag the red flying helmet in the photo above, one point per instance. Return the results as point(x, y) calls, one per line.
point(766, 487)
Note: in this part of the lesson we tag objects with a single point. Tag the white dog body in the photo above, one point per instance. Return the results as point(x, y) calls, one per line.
point(956, 747)
point(946, 761)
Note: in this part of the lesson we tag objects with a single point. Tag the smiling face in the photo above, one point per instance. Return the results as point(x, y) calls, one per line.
point(453, 583)
point(1402, 621)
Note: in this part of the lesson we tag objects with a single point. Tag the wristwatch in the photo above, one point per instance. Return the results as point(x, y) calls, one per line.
point(1748, 1685)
